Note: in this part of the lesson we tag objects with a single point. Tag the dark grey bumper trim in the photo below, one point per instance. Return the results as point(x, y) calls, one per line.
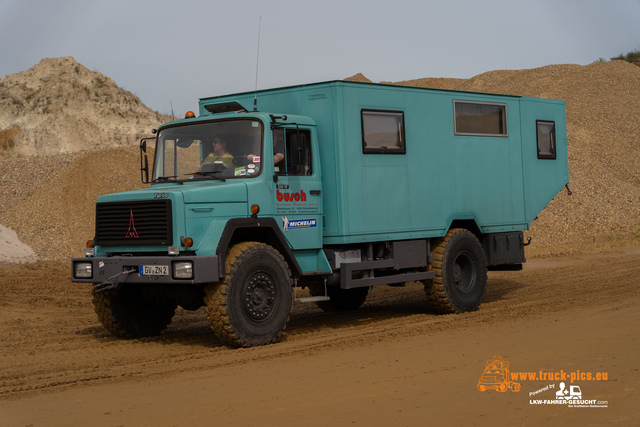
point(205, 269)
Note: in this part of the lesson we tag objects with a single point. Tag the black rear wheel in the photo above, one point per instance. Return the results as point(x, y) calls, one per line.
point(461, 273)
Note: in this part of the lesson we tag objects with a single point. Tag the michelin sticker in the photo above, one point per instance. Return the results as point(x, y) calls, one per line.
point(288, 224)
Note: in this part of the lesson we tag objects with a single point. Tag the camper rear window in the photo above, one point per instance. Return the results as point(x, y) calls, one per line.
point(383, 132)
point(480, 118)
point(546, 132)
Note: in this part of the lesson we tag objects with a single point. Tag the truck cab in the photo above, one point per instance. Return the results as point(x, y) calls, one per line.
point(216, 181)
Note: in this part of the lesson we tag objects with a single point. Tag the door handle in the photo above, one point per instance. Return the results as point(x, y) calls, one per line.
point(315, 191)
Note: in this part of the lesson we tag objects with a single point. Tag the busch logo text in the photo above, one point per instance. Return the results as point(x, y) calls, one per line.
point(291, 197)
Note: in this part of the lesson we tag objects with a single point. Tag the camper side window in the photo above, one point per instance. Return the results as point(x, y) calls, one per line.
point(383, 132)
point(480, 118)
point(546, 136)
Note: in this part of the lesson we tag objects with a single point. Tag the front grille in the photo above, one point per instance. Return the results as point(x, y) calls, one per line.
point(145, 222)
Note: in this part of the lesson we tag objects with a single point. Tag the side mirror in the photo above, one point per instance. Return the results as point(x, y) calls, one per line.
point(144, 162)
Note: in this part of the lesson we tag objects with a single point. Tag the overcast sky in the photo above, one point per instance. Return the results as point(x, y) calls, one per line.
point(174, 51)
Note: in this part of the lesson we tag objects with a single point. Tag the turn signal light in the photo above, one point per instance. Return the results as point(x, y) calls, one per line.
point(188, 242)
point(255, 209)
point(90, 244)
point(189, 115)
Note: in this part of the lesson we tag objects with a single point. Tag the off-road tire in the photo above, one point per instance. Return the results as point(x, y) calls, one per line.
point(461, 273)
point(126, 314)
point(341, 299)
point(251, 305)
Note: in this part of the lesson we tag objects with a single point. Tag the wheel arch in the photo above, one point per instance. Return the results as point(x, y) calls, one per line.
point(468, 224)
point(263, 230)
point(471, 225)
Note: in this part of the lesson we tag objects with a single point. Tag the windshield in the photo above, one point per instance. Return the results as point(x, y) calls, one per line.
point(213, 150)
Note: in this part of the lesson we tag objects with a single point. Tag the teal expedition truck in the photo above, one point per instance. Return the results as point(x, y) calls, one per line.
point(336, 187)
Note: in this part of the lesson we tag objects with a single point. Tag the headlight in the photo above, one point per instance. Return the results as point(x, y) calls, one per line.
point(182, 270)
point(83, 270)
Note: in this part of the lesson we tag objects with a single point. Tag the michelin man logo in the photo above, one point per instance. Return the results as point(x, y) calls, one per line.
point(288, 224)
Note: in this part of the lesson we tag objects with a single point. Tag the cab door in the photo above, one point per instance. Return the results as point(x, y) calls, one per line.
point(298, 187)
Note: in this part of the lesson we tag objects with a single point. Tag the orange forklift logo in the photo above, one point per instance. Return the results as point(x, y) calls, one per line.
point(496, 376)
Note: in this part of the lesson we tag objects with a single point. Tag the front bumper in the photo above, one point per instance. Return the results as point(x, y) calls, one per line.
point(205, 269)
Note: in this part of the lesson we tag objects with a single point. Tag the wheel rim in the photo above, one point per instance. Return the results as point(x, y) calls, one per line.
point(464, 272)
point(259, 296)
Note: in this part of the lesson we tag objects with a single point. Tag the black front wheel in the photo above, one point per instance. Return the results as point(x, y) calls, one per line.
point(127, 314)
point(461, 273)
point(250, 306)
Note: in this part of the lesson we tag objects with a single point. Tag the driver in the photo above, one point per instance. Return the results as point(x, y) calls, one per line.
point(278, 148)
point(219, 154)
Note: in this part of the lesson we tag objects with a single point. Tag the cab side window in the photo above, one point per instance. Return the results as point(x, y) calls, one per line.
point(298, 152)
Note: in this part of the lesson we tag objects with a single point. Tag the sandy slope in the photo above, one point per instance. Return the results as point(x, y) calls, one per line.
point(49, 200)
point(12, 250)
point(59, 106)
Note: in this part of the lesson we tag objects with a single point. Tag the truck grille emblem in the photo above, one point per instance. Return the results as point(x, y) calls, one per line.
point(131, 232)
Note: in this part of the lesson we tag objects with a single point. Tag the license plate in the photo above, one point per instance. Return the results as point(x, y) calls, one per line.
point(154, 270)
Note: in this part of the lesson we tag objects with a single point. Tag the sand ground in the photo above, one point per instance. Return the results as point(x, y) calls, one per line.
point(392, 362)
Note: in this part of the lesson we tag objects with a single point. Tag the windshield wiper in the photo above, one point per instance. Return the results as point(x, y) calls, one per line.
point(167, 179)
point(208, 173)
